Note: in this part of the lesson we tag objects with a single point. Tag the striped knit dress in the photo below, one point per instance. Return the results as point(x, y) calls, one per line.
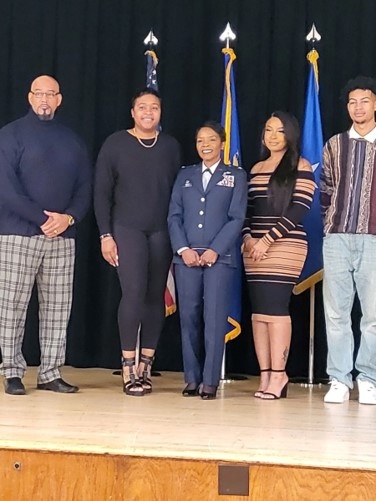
point(271, 280)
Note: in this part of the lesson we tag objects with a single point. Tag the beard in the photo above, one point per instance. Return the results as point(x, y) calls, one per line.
point(45, 114)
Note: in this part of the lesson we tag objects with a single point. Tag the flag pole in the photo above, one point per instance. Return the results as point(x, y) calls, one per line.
point(229, 122)
point(151, 41)
point(311, 358)
point(312, 37)
point(226, 36)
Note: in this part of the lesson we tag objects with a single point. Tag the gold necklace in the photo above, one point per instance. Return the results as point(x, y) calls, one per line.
point(143, 144)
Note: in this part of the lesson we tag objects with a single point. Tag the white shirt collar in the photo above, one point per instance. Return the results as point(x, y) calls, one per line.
point(370, 137)
point(212, 168)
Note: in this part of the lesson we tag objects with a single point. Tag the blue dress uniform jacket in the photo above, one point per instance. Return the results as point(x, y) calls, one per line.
point(201, 220)
point(211, 219)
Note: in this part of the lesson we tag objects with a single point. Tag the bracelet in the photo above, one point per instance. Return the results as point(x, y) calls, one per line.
point(106, 235)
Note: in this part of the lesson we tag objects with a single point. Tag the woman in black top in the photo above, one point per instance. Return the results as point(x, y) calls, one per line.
point(136, 169)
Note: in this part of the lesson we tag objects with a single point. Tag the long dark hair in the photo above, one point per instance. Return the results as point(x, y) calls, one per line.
point(282, 181)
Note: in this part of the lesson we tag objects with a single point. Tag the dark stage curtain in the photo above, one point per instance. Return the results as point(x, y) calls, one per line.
point(94, 48)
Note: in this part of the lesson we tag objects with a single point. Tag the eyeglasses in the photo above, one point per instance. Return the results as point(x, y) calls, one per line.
point(49, 95)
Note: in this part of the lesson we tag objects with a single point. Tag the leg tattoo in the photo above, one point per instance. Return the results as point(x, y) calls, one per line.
point(285, 354)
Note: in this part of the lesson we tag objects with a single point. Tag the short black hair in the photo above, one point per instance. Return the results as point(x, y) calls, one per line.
point(359, 82)
point(144, 92)
point(216, 127)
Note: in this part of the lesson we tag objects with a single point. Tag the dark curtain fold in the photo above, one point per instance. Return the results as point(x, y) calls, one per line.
point(95, 49)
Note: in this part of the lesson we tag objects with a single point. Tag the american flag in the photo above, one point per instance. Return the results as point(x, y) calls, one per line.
point(152, 82)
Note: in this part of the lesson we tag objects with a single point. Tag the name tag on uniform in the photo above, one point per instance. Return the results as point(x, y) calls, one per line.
point(187, 184)
point(228, 180)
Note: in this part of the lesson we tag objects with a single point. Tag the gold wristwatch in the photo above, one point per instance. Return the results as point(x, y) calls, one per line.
point(70, 220)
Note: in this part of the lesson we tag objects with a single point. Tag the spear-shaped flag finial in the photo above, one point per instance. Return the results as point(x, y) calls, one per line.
point(227, 35)
point(313, 36)
point(151, 40)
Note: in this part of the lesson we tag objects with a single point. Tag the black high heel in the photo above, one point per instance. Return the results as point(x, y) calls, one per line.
point(259, 393)
point(283, 393)
point(208, 392)
point(133, 386)
point(191, 390)
point(145, 380)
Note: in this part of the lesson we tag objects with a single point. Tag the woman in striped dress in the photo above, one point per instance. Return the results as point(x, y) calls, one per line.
point(275, 246)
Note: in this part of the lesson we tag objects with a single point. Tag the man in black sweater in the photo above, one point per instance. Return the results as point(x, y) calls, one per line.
point(45, 184)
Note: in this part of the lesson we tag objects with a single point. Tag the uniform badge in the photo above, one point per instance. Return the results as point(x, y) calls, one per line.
point(228, 180)
point(187, 184)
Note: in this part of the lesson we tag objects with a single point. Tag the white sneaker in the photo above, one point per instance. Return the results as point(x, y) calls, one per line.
point(367, 392)
point(338, 393)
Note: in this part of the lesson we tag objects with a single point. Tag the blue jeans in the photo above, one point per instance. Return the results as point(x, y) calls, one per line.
point(349, 267)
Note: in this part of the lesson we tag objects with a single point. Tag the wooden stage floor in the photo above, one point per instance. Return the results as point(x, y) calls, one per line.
point(300, 431)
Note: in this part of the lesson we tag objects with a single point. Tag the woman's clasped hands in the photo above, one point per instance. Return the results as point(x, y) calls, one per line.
point(192, 258)
point(255, 248)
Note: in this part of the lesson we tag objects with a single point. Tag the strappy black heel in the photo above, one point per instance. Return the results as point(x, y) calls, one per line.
point(259, 393)
point(145, 379)
point(273, 396)
point(133, 386)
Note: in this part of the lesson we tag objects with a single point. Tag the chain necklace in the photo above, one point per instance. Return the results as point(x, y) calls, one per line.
point(142, 143)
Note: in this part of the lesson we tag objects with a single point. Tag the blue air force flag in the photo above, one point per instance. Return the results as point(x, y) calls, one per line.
point(231, 155)
point(312, 146)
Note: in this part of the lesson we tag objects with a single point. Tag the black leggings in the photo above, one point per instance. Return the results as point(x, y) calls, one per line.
point(144, 261)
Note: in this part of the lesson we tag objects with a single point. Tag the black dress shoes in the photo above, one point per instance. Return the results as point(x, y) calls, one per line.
point(208, 392)
point(58, 385)
point(191, 390)
point(14, 386)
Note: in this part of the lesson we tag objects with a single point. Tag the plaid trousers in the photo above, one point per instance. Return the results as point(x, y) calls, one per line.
point(50, 263)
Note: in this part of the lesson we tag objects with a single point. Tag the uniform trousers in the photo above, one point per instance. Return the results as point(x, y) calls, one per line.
point(48, 262)
point(204, 297)
point(144, 261)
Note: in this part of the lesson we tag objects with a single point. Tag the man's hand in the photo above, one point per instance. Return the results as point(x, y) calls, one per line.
point(55, 225)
